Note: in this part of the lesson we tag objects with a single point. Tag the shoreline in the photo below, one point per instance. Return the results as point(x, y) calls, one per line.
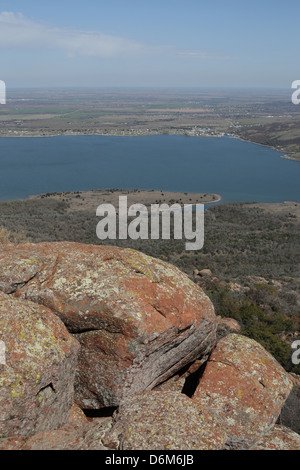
point(88, 200)
point(144, 134)
point(286, 156)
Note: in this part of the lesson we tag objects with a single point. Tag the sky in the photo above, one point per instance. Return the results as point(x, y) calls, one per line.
point(142, 43)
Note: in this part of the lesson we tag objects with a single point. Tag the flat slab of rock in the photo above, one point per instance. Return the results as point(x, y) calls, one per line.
point(37, 378)
point(244, 387)
point(138, 319)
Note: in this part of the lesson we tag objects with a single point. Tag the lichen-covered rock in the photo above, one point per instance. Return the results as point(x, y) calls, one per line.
point(77, 434)
point(11, 443)
point(279, 438)
point(37, 379)
point(138, 319)
point(87, 437)
point(164, 420)
point(244, 387)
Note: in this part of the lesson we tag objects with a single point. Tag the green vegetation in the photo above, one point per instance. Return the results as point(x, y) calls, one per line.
point(265, 324)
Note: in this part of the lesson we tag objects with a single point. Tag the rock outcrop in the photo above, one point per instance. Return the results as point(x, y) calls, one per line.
point(138, 320)
point(111, 327)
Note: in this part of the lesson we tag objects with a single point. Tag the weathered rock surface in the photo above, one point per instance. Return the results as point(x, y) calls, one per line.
point(37, 379)
point(279, 438)
point(77, 434)
point(138, 319)
point(126, 329)
point(164, 420)
point(244, 387)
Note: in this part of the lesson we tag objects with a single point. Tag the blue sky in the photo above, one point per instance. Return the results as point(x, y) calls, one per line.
point(165, 43)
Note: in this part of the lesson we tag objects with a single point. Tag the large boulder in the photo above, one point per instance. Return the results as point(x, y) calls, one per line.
point(138, 319)
point(37, 376)
point(164, 420)
point(244, 387)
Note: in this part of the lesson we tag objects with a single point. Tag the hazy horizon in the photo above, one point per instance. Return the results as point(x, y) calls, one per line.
point(136, 44)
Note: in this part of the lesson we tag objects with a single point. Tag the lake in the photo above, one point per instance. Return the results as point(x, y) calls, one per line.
point(239, 171)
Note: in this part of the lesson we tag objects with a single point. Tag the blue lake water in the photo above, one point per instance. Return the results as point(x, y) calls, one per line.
point(239, 171)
